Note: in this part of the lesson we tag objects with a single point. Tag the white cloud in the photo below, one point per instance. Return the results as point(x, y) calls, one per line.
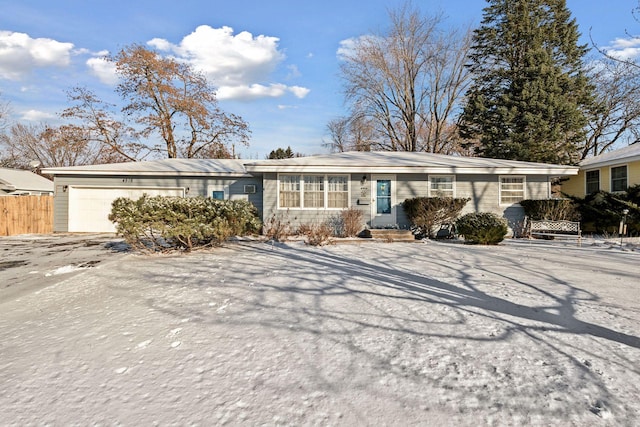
point(237, 64)
point(256, 91)
point(20, 54)
point(624, 48)
point(36, 116)
point(103, 69)
point(227, 59)
point(299, 92)
point(293, 71)
point(347, 48)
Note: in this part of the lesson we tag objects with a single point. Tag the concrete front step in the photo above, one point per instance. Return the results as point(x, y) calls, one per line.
point(389, 235)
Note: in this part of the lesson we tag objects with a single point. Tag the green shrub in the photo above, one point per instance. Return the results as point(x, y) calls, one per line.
point(551, 209)
point(428, 213)
point(601, 211)
point(166, 223)
point(483, 228)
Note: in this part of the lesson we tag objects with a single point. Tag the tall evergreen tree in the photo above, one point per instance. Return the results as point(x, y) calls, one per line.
point(530, 92)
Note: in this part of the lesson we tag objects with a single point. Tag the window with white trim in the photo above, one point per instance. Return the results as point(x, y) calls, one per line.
point(337, 191)
point(512, 189)
point(619, 178)
point(313, 191)
point(289, 191)
point(441, 186)
point(592, 181)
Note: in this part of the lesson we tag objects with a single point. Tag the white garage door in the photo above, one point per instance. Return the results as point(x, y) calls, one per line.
point(89, 207)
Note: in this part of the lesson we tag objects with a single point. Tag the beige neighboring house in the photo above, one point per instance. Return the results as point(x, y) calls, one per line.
point(18, 182)
point(613, 172)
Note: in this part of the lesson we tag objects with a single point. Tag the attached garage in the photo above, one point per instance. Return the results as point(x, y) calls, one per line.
point(84, 194)
point(89, 207)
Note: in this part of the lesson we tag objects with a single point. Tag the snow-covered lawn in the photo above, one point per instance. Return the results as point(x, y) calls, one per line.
point(525, 333)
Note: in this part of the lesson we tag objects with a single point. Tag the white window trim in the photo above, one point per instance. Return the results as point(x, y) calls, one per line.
point(524, 188)
point(599, 179)
point(326, 191)
point(453, 184)
point(611, 168)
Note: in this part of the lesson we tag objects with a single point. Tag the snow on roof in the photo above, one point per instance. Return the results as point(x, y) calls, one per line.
point(405, 162)
point(23, 180)
point(627, 154)
point(349, 162)
point(188, 167)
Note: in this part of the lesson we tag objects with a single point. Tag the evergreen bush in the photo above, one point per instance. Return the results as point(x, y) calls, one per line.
point(601, 211)
point(165, 223)
point(482, 228)
point(428, 213)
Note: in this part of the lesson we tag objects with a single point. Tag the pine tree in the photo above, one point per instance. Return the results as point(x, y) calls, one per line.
point(530, 92)
point(281, 153)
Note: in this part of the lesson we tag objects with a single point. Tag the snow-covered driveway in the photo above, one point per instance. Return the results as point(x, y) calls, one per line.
point(525, 333)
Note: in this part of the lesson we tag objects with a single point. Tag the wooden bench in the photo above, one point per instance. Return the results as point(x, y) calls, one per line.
point(548, 228)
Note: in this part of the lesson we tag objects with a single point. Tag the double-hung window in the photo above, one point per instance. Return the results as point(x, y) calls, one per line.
point(313, 191)
point(441, 186)
point(512, 189)
point(619, 178)
point(337, 191)
point(592, 181)
point(289, 191)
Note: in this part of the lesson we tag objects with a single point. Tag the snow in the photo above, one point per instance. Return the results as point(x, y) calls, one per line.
point(524, 333)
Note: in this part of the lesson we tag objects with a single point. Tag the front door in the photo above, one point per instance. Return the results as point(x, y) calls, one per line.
point(383, 212)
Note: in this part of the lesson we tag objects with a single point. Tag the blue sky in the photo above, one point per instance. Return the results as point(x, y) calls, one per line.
point(274, 62)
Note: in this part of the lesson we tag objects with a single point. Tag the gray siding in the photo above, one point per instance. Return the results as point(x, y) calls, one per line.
point(197, 187)
point(311, 216)
point(482, 190)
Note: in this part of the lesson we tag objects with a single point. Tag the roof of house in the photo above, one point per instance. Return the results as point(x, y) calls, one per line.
point(406, 162)
point(630, 153)
point(183, 167)
point(16, 180)
point(349, 162)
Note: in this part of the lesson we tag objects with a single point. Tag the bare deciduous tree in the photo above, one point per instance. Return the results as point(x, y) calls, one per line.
point(4, 115)
point(350, 134)
point(616, 114)
point(407, 82)
point(97, 121)
point(169, 98)
point(52, 146)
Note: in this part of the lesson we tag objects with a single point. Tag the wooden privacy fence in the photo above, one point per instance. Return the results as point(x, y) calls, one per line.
point(26, 215)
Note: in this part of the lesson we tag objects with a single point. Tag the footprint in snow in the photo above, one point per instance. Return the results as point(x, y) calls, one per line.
point(143, 344)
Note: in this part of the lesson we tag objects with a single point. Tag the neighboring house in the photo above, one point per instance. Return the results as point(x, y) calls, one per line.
point(307, 189)
point(18, 182)
point(613, 171)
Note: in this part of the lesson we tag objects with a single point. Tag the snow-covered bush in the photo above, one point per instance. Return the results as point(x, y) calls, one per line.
point(166, 223)
point(483, 228)
point(428, 213)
